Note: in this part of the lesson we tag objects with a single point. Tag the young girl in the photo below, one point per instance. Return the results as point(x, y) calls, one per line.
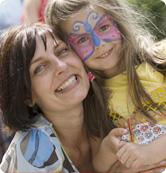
point(109, 36)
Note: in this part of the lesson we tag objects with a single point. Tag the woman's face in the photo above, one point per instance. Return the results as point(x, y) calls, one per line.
point(95, 38)
point(58, 78)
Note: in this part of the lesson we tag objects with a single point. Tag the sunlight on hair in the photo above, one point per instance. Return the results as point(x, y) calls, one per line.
point(164, 1)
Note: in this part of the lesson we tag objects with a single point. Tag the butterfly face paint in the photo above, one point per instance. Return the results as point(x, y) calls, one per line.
point(91, 33)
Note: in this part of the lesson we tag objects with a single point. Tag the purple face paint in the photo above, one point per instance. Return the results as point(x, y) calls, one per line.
point(82, 44)
point(107, 30)
point(103, 32)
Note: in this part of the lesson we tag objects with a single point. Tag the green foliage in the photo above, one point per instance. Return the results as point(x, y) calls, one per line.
point(156, 11)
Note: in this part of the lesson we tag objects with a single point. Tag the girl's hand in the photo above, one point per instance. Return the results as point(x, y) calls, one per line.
point(113, 139)
point(120, 168)
point(136, 156)
point(104, 156)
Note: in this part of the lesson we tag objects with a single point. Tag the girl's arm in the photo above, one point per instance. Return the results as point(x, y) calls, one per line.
point(139, 155)
point(103, 151)
point(103, 159)
point(118, 167)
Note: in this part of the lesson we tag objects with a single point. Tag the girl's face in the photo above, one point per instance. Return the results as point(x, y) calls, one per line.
point(95, 38)
point(58, 78)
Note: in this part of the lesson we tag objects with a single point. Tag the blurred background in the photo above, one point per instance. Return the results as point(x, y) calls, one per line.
point(15, 12)
point(156, 11)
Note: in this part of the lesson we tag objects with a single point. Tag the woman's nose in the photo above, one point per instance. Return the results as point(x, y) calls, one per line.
point(60, 66)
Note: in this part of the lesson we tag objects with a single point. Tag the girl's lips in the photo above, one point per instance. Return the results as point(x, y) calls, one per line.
point(68, 84)
point(104, 55)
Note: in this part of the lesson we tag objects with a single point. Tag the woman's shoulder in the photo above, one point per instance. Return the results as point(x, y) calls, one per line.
point(37, 149)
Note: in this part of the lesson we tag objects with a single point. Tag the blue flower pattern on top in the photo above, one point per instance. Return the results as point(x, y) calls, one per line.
point(37, 150)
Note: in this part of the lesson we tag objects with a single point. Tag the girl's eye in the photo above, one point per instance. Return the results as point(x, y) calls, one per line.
point(83, 40)
point(40, 68)
point(104, 28)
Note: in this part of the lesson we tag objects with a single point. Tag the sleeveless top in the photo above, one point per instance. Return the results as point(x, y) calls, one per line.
point(37, 150)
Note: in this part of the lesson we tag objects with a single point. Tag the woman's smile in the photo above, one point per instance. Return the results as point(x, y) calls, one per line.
point(68, 85)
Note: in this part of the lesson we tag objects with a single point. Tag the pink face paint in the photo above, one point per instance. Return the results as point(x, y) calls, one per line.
point(82, 44)
point(105, 31)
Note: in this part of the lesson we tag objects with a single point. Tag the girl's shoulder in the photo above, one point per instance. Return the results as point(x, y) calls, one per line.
point(159, 49)
point(148, 72)
point(36, 150)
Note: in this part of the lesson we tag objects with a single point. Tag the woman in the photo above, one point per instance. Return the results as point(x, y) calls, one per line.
point(45, 96)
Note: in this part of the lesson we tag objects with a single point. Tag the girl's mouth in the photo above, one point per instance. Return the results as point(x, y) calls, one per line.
point(104, 55)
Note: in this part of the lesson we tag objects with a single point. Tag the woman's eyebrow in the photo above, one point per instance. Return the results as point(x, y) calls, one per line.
point(36, 60)
point(56, 42)
point(58, 45)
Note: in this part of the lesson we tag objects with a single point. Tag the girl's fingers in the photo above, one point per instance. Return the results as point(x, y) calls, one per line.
point(123, 155)
point(118, 132)
point(131, 163)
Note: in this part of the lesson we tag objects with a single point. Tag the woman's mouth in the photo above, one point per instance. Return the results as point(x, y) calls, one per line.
point(68, 84)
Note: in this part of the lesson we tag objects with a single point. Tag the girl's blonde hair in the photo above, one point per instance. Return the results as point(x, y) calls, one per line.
point(137, 40)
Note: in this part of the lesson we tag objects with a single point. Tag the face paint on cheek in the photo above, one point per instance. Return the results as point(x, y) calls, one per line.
point(107, 30)
point(84, 44)
point(84, 50)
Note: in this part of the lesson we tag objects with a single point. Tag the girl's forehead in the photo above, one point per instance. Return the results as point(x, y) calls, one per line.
point(84, 13)
point(78, 20)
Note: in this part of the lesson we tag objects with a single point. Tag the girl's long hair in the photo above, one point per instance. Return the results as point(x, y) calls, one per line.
point(137, 40)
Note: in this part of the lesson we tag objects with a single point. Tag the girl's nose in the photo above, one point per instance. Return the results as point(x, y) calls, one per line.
point(96, 39)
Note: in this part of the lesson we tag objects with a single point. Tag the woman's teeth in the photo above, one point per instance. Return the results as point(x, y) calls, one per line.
point(69, 82)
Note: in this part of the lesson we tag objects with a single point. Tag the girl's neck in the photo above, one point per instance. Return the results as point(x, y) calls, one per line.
point(115, 70)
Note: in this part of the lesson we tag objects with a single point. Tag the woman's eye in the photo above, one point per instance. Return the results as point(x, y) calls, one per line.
point(82, 40)
point(104, 28)
point(63, 51)
point(39, 69)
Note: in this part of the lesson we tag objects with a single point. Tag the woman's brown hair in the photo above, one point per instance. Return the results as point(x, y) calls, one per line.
point(17, 48)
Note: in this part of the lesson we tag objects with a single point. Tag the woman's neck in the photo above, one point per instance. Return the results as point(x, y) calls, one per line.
point(71, 131)
point(69, 125)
